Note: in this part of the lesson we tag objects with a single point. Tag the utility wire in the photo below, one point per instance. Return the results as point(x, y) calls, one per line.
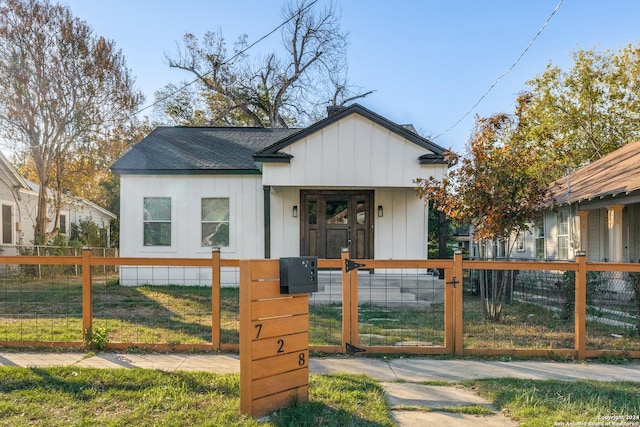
point(225, 62)
point(503, 74)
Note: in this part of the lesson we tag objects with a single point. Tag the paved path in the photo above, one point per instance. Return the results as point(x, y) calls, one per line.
point(399, 377)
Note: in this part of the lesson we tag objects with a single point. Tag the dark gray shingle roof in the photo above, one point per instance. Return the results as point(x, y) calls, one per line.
point(222, 150)
point(198, 150)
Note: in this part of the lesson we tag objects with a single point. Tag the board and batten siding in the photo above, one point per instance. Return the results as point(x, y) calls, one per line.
point(351, 153)
point(354, 153)
point(401, 233)
point(246, 231)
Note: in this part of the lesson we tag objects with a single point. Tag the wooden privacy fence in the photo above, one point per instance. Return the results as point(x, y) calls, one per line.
point(576, 309)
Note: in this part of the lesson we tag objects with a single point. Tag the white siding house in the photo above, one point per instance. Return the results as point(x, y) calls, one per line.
point(345, 181)
point(18, 207)
point(596, 209)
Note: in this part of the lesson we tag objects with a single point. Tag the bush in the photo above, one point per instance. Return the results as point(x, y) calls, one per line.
point(596, 282)
point(635, 285)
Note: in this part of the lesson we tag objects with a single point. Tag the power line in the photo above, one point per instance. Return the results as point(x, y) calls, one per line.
point(225, 62)
point(503, 74)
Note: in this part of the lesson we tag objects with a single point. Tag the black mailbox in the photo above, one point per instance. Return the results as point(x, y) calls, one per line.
point(298, 275)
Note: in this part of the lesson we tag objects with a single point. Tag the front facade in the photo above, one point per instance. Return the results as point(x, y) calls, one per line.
point(596, 210)
point(346, 181)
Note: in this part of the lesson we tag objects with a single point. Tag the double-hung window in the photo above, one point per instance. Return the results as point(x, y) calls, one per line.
point(63, 224)
point(214, 218)
point(157, 221)
point(538, 232)
point(563, 235)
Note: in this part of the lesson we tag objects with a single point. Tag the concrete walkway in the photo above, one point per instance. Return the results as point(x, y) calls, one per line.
point(399, 377)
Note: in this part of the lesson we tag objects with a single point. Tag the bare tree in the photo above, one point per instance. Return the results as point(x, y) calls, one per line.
point(276, 91)
point(60, 87)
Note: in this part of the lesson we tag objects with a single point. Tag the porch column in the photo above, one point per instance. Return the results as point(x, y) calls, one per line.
point(614, 227)
point(583, 235)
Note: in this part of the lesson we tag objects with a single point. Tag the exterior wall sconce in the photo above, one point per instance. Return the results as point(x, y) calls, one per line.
point(294, 211)
point(380, 211)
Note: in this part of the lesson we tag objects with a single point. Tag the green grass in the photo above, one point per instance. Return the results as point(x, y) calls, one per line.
point(116, 397)
point(528, 325)
point(50, 309)
point(536, 403)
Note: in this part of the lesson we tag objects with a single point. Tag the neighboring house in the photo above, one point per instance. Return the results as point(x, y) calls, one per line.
point(345, 181)
point(597, 210)
point(18, 204)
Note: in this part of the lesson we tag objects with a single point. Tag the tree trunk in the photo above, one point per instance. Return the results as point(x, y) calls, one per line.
point(442, 235)
point(42, 220)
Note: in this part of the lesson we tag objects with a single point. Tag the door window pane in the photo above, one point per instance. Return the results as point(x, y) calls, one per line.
point(361, 212)
point(313, 212)
point(337, 212)
point(215, 221)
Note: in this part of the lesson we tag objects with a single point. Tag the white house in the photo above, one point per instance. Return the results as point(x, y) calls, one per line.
point(345, 181)
point(596, 209)
point(18, 207)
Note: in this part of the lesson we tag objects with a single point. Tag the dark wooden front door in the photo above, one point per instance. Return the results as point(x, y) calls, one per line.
point(332, 220)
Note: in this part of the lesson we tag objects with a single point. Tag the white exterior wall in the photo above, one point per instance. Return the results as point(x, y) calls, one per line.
point(246, 231)
point(285, 229)
point(354, 153)
point(400, 234)
point(351, 153)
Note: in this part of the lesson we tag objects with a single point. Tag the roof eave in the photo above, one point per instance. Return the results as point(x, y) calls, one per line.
point(273, 158)
point(186, 171)
point(431, 159)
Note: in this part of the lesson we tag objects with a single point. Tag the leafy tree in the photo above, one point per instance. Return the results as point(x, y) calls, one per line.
point(275, 91)
point(63, 92)
point(493, 190)
point(574, 117)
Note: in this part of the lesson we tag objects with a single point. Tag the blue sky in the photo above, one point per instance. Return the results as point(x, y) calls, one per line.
point(428, 61)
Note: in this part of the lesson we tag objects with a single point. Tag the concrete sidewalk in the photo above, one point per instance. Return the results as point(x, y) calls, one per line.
point(399, 377)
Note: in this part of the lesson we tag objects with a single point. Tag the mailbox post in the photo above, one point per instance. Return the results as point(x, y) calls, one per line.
point(274, 333)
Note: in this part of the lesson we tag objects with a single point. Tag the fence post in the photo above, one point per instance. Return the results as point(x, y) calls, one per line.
point(458, 321)
point(215, 298)
point(581, 305)
point(449, 309)
point(349, 303)
point(87, 300)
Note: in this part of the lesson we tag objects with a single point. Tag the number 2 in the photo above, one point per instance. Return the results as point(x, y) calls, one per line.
point(281, 342)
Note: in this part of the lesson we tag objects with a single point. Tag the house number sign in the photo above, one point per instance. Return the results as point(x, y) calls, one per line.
point(274, 341)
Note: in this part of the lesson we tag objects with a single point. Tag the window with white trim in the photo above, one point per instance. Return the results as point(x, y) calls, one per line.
point(157, 221)
point(214, 217)
point(63, 224)
point(538, 233)
point(520, 242)
point(563, 235)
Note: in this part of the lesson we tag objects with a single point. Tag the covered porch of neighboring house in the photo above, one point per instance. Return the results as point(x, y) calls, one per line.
point(598, 208)
point(597, 211)
point(609, 233)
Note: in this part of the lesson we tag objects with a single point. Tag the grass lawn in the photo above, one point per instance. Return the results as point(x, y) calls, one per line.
point(140, 397)
point(538, 403)
point(51, 310)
